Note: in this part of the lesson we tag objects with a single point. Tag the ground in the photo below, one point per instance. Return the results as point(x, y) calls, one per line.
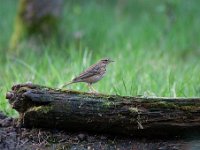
point(13, 137)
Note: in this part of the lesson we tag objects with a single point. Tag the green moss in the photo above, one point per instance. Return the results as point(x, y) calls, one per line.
point(174, 106)
point(107, 104)
point(133, 109)
point(23, 89)
point(189, 108)
point(164, 105)
point(42, 109)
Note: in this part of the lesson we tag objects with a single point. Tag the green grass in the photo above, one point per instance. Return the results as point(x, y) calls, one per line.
point(155, 45)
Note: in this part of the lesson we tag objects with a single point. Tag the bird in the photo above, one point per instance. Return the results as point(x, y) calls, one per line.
point(93, 74)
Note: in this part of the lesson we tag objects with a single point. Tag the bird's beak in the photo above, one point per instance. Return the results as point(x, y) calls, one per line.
point(112, 61)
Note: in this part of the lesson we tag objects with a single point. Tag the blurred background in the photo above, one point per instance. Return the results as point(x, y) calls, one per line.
point(155, 45)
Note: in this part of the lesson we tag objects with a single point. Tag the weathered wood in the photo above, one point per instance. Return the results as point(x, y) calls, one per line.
point(44, 107)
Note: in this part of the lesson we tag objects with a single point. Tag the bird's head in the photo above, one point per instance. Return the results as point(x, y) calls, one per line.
point(106, 61)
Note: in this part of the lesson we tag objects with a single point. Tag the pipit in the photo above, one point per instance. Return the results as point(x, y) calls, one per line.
point(93, 74)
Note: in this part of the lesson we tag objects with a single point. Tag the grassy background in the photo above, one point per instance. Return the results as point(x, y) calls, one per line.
point(155, 45)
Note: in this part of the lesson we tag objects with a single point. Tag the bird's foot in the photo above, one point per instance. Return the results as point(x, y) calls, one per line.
point(93, 91)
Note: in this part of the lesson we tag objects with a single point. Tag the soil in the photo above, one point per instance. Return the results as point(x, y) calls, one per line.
point(16, 138)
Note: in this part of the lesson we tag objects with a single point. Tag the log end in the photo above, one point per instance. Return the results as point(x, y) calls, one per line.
point(9, 95)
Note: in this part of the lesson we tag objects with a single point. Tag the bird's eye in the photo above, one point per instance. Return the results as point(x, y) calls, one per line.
point(105, 60)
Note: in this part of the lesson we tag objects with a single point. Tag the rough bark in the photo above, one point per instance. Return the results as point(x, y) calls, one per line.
point(44, 107)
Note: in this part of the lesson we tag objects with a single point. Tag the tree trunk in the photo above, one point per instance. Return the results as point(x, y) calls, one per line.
point(44, 107)
point(36, 19)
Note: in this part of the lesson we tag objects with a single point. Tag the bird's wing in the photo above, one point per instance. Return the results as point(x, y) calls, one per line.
point(92, 70)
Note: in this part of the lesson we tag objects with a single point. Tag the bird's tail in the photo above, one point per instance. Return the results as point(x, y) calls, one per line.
point(68, 84)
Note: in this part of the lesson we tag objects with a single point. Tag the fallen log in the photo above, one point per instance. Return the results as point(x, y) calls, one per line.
point(45, 107)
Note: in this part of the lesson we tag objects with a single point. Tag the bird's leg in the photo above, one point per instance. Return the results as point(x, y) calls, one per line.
point(92, 90)
point(63, 86)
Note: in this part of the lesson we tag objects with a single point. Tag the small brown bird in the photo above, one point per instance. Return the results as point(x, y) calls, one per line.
point(93, 74)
